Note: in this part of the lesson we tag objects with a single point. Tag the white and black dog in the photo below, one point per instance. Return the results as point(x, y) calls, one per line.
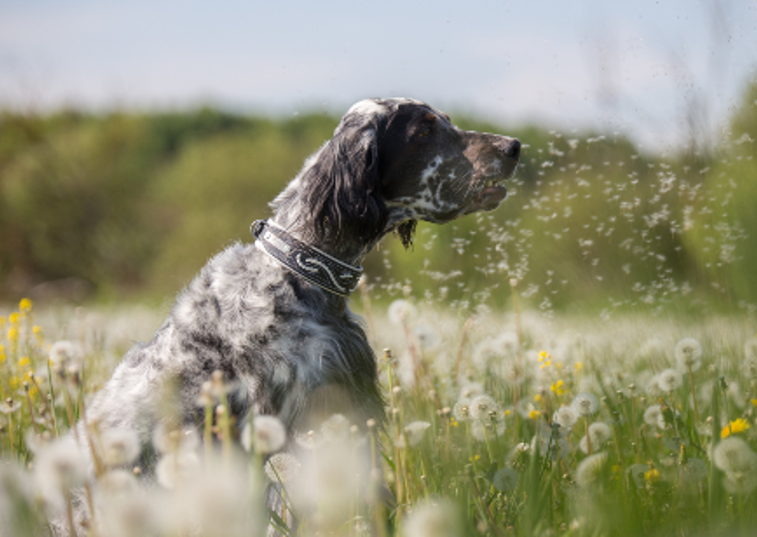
point(272, 315)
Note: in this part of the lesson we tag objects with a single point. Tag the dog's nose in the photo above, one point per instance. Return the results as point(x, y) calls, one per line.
point(512, 150)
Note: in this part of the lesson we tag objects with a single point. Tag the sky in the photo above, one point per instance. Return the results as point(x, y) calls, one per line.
point(656, 70)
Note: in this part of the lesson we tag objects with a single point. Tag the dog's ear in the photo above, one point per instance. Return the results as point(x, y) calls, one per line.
point(343, 186)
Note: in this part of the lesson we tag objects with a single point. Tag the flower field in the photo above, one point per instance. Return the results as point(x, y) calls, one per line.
point(511, 423)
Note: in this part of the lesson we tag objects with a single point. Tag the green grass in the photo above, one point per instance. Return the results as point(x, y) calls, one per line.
point(471, 445)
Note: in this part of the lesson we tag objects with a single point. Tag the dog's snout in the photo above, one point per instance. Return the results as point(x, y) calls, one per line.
point(512, 149)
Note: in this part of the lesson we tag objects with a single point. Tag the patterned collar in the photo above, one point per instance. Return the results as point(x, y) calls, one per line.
point(309, 262)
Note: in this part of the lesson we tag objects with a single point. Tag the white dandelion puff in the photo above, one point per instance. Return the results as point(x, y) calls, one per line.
point(461, 410)
point(400, 312)
point(481, 406)
point(653, 416)
point(266, 434)
point(63, 354)
point(438, 519)
point(599, 433)
point(119, 447)
point(733, 454)
point(415, 431)
point(688, 354)
point(590, 469)
point(336, 428)
point(669, 380)
point(565, 416)
point(60, 467)
point(176, 468)
point(282, 467)
point(167, 440)
point(506, 479)
point(585, 404)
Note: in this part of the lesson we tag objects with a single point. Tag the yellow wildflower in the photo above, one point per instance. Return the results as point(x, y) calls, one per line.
point(652, 475)
point(534, 414)
point(508, 412)
point(737, 426)
point(578, 366)
point(37, 330)
point(24, 361)
point(453, 422)
point(13, 334)
point(25, 306)
point(14, 382)
point(754, 402)
point(558, 387)
point(475, 458)
point(14, 318)
point(537, 397)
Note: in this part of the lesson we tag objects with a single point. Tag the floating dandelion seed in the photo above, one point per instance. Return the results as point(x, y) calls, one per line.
point(688, 354)
point(585, 404)
point(265, 435)
point(506, 479)
point(669, 380)
point(415, 431)
point(590, 469)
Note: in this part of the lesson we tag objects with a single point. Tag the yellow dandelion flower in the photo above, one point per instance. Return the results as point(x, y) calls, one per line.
point(754, 402)
point(736, 426)
point(534, 414)
point(558, 387)
point(652, 475)
point(14, 318)
point(13, 334)
point(453, 422)
point(475, 458)
point(508, 412)
point(24, 361)
point(2, 353)
point(25, 306)
point(537, 397)
point(543, 355)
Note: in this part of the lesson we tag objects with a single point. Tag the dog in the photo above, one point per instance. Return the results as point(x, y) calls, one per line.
point(273, 315)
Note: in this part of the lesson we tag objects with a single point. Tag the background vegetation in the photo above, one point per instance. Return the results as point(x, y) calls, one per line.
point(129, 205)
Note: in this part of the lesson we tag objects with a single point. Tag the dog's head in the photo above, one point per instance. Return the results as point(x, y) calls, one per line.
point(392, 162)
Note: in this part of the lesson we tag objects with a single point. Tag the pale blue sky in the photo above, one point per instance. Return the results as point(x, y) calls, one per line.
point(635, 67)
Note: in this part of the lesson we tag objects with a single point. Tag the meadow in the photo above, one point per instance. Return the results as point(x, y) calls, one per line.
point(513, 423)
point(581, 362)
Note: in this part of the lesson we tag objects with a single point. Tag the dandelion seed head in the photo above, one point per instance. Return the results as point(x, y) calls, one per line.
point(119, 447)
point(688, 354)
point(733, 454)
point(401, 311)
point(284, 465)
point(266, 434)
point(585, 404)
point(590, 469)
point(481, 406)
point(506, 479)
point(63, 354)
point(437, 519)
point(653, 416)
point(176, 468)
point(565, 416)
point(426, 336)
point(60, 466)
point(461, 410)
point(415, 431)
point(669, 380)
point(599, 433)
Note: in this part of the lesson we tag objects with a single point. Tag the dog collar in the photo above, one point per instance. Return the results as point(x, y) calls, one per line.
point(309, 262)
